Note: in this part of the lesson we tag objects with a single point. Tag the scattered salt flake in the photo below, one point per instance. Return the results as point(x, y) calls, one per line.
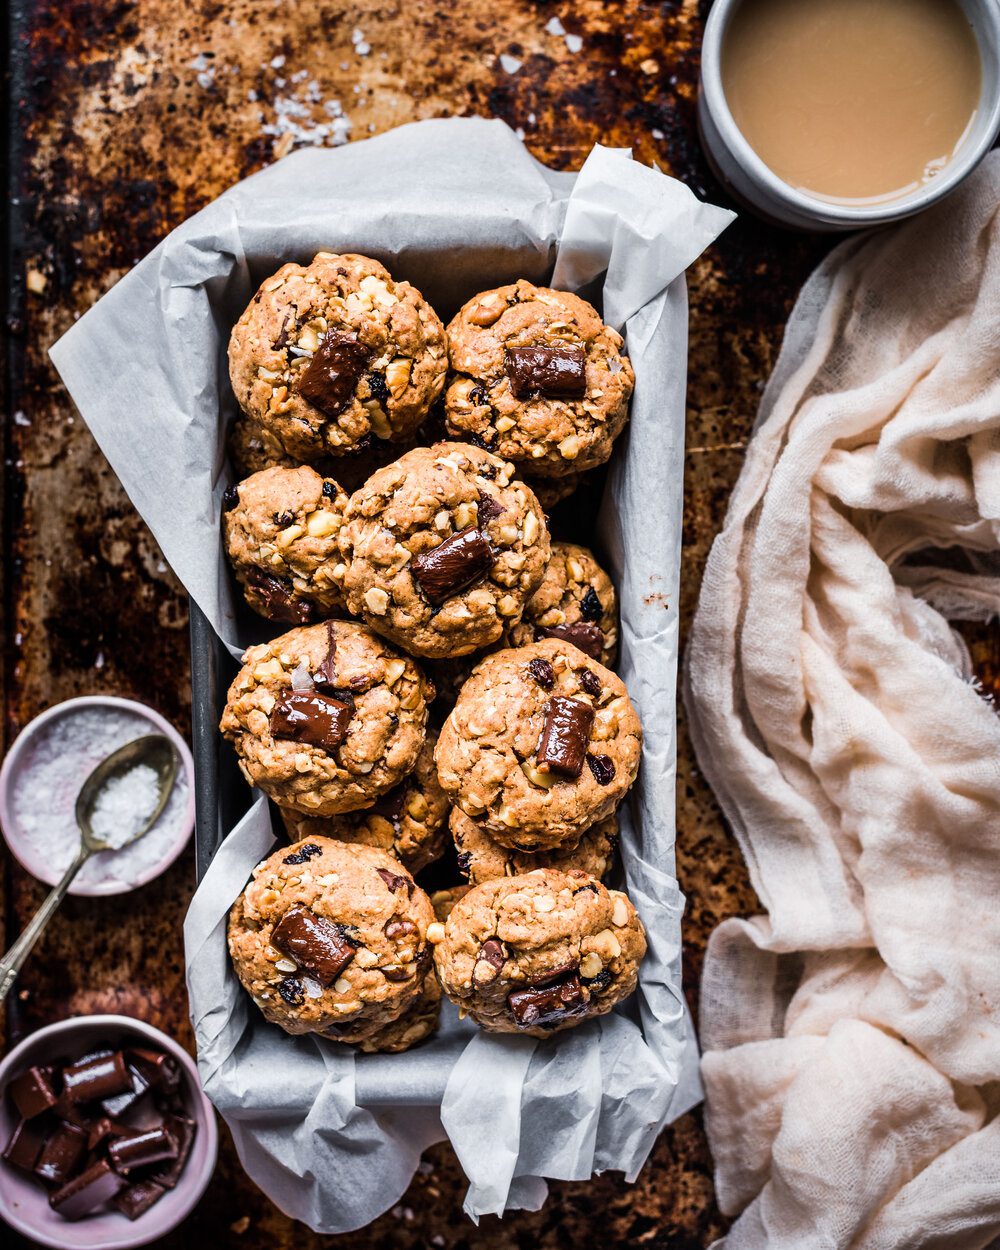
point(277, 62)
point(21, 418)
point(201, 61)
point(361, 46)
point(555, 27)
point(519, 132)
point(252, 96)
point(531, 119)
point(614, 366)
point(510, 63)
point(574, 42)
point(657, 134)
point(301, 678)
point(206, 78)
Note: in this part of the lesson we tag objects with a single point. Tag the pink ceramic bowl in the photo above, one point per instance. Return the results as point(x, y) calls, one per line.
point(28, 855)
point(24, 1204)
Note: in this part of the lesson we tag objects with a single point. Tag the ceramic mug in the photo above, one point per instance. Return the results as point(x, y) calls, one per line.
point(750, 181)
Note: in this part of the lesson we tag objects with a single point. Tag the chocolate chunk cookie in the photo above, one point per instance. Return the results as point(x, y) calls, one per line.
point(481, 858)
point(539, 953)
point(408, 822)
point(331, 939)
point(542, 744)
point(280, 530)
point(329, 355)
point(576, 602)
point(415, 1025)
point(442, 549)
point(539, 379)
point(327, 718)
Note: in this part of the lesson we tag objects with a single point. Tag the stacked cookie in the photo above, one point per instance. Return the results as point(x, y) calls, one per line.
point(448, 669)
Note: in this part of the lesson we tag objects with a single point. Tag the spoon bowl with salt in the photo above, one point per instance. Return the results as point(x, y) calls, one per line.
point(111, 816)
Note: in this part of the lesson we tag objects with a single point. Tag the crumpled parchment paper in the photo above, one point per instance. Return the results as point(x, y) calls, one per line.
point(455, 206)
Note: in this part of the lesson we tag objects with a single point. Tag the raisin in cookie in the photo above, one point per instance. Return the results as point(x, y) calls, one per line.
point(327, 718)
point(482, 858)
point(329, 354)
point(408, 822)
point(280, 530)
point(540, 379)
point(331, 938)
point(539, 953)
point(576, 602)
point(542, 744)
point(442, 549)
point(415, 1025)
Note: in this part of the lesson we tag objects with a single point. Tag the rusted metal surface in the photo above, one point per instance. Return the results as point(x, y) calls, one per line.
point(130, 116)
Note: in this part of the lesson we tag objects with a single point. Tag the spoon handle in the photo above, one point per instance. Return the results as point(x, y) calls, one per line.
point(11, 963)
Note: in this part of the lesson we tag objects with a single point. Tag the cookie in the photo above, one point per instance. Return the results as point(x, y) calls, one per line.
point(538, 379)
point(414, 1026)
point(542, 744)
point(280, 530)
point(408, 822)
point(576, 602)
point(331, 939)
point(539, 953)
point(550, 491)
point(327, 718)
point(331, 354)
point(481, 858)
point(442, 549)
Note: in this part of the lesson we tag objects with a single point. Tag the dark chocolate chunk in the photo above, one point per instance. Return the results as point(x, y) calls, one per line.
point(230, 498)
point(305, 853)
point(120, 1103)
point(584, 635)
point(464, 862)
point(182, 1129)
point(546, 1006)
point(493, 953)
point(390, 804)
point(82, 1115)
point(591, 608)
point(100, 1130)
point(138, 1198)
point(276, 601)
point(78, 1197)
point(551, 372)
point(489, 508)
point(590, 682)
point(161, 1070)
point(328, 381)
point(603, 769)
point(283, 339)
point(140, 1149)
point(399, 928)
point(565, 735)
point(460, 560)
point(394, 881)
point(315, 943)
point(541, 671)
point(62, 1152)
point(33, 1092)
point(25, 1144)
point(315, 719)
point(553, 974)
point(91, 1080)
point(292, 991)
point(326, 675)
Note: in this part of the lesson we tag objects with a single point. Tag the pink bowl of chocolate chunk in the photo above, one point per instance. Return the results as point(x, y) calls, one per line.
point(106, 1139)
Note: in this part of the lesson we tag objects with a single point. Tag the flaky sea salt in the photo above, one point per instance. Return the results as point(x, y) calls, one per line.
point(43, 804)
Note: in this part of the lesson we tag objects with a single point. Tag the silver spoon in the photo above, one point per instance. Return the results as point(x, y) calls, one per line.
point(155, 750)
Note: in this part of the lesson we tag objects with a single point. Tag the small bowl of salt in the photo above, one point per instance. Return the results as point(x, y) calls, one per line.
point(41, 777)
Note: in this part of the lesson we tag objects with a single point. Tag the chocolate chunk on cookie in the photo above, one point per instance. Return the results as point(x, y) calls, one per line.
point(575, 602)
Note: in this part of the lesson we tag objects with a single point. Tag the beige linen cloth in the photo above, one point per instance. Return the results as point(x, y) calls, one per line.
point(851, 1035)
